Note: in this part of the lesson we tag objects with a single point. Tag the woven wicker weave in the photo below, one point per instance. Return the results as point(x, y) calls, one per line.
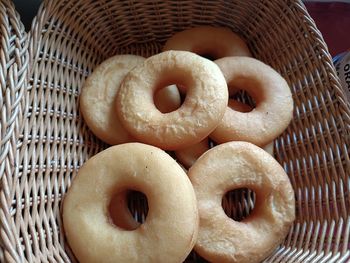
point(44, 140)
point(13, 82)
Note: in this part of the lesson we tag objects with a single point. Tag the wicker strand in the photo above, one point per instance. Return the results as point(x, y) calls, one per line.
point(13, 81)
point(44, 140)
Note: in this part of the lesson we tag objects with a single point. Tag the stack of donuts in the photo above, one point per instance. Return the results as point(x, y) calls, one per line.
point(179, 103)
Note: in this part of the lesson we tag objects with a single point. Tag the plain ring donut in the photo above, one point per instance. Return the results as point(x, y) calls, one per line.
point(274, 102)
point(203, 108)
point(235, 165)
point(242, 107)
point(213, 42)
point(189, 155)
point(98, 95)
point(131, 166)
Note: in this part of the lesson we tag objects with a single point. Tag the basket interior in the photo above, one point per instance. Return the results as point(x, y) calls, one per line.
point(69, 38)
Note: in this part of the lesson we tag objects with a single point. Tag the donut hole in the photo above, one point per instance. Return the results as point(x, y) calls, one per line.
point(246, 90)
point(128, 209)
point(168, 98)
point(174, 76)
point(211, 143)
point(238, 203)
point(245, 102)
point(138, 205)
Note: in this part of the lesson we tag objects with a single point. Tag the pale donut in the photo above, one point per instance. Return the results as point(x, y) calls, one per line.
point(217, 42)
point(170, 229)
point(98, 95)
point(269, 148)
point(242, 107)
point(274, 103)
point(235, 165)
point(202, 110)
point(188, 156)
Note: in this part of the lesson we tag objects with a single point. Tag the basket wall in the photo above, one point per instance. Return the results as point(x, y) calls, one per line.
point(44, 139)
point(14, 59)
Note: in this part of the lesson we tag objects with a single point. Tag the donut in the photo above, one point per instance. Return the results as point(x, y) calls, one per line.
point(274, 103)
point(207, 41)
point(242, 107)
point(200, 113)
point(269, 148)
point(171, 226)
point(236, 165)
point(188, 156)
point(98, 95)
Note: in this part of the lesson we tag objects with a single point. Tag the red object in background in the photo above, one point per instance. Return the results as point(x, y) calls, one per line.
point(333, 20)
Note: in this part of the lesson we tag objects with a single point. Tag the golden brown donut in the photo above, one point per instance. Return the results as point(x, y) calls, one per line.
point(98, 95)
point(200, 113)
point(274, 102)
point(214, 42)
point(235, 165)
point(166, 233)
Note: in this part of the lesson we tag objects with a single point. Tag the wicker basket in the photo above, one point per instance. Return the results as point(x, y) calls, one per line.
point(44, 140)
